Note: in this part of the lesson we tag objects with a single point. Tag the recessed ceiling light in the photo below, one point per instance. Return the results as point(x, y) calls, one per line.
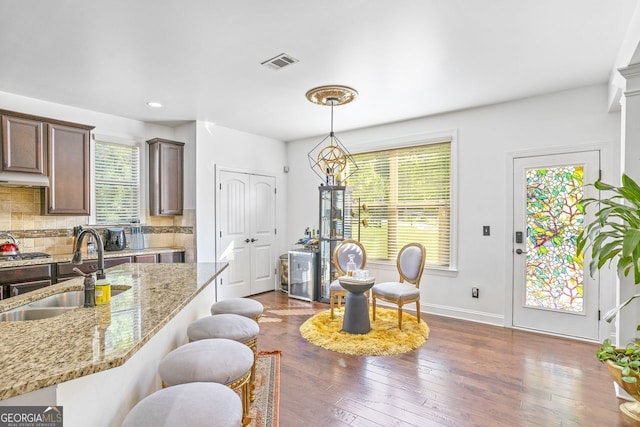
point(153, 104)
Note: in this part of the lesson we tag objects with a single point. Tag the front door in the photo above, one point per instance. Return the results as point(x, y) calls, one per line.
point(246, 235)
point(552, 289)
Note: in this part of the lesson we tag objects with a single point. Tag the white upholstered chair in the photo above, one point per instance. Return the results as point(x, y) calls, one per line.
point(340, 259)
point(410, 264)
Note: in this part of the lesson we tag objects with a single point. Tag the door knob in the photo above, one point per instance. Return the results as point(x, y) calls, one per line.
point(247, 240)
point(253, 240)
point(519, 251)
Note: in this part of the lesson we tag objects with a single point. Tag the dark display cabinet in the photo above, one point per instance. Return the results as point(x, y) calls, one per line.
point(335, 226)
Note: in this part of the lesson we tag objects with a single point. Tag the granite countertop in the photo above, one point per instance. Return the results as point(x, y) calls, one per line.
point(107, 254)
point(40, 353)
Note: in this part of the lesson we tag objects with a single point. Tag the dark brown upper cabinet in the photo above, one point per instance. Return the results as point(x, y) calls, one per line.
point(53, 148)
point(166, 177)
point(23, 145)
point(69, 170)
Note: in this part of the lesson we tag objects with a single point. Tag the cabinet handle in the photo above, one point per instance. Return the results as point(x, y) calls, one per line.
point(247, 240)
point(253, 240)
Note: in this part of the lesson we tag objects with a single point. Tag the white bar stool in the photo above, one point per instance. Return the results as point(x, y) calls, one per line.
point(233, 327)
point(217, 360)
point(242, 306)
point(188, 405)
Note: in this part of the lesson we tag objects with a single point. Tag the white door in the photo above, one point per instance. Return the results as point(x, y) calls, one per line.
point(246, 234)
point(262, 239)
point(552, 289)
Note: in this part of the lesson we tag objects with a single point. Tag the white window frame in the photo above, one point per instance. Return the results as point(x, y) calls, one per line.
point(414, 140)
point(143, 167)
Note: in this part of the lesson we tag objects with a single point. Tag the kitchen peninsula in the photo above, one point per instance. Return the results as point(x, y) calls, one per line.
point(97, 362)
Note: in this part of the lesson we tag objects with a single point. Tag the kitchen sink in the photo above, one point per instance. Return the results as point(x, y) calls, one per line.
point(32, 313)
point(68, 299)
point(51, 306)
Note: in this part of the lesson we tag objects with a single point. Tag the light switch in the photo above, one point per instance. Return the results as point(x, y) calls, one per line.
point(486, 230)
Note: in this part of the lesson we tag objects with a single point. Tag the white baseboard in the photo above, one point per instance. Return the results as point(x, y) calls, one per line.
point(453, 312)
point(463, 314)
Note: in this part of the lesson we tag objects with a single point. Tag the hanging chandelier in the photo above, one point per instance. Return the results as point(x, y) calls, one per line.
point(332, 163)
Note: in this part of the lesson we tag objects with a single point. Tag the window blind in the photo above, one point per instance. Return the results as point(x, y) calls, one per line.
point(117, 182)
point(404, 196)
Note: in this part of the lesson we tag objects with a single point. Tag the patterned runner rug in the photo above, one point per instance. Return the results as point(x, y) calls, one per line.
point(264, 409)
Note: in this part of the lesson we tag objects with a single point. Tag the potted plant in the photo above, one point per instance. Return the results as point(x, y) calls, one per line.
point(614, 237)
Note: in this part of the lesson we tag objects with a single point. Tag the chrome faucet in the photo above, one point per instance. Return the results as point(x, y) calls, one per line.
point(77, 254)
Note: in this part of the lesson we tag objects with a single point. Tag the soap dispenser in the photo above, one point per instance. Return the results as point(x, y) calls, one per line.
point(89, 287)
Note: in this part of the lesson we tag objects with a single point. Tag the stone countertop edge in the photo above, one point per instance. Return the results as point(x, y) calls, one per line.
point(107, 254)
point(37, 354)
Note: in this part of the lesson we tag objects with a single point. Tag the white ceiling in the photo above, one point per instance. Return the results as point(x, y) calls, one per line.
point(201, 58)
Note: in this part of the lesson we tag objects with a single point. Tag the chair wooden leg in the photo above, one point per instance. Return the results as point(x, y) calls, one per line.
point(400, 316)
point(418, 311)
point(331, 298)
point(374, 309)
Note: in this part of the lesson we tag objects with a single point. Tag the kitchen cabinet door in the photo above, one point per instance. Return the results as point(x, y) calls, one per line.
point(145, 259)
point(22, 288)
point(64, 270)
point(18, 280)
point(166, 177)
point(23, 147)
point(69, 173)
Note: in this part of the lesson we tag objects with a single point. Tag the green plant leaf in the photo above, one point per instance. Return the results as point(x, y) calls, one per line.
point(602, 186)
point(631, 240)
point(630, 190)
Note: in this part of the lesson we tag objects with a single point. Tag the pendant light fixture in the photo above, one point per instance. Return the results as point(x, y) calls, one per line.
point(332, 163)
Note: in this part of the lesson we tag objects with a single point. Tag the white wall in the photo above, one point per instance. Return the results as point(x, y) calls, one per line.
point(105, 124)
point(225, 147)
point(487, 138)
point(187, 133)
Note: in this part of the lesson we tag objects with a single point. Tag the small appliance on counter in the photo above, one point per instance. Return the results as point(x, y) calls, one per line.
point(137, 238)
point(9, 248)
point(115, 239)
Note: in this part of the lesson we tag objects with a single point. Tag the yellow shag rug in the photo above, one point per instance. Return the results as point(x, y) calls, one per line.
point(384, 338)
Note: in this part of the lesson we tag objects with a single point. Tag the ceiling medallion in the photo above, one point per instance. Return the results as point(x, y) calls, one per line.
point(333, 163)
point(332, 95)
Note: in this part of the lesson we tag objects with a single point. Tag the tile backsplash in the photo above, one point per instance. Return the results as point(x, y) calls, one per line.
point(20, 215)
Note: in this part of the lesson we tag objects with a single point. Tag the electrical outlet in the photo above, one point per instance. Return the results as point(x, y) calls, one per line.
point(475, 292)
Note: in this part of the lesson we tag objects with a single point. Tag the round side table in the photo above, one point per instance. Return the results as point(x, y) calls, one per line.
point(356, 307)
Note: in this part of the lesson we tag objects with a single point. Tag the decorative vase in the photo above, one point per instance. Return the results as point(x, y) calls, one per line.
point(630, 409)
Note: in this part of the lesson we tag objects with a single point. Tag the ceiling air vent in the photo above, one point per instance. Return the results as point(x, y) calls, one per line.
point(280, 61)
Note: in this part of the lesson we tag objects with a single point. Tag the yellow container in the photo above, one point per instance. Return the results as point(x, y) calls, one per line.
point(103, 293)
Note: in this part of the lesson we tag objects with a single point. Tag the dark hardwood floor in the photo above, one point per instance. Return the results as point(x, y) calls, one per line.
point(466, 374)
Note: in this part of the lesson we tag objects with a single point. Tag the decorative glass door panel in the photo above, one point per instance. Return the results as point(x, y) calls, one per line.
point(552, 290)
point(555, 217)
